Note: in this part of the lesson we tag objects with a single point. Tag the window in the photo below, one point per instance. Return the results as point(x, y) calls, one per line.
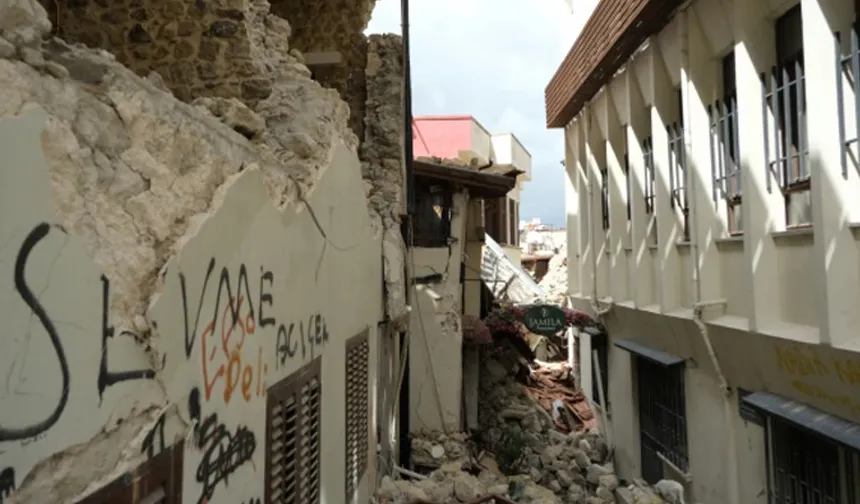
point(600, 344)
point(156, 481)
point(604, 197)
point(808, 468)
point(513, 225)
point(357, 411)
point(627, 182)
point(662, 417)
point(293, 437)
point(847, 68)
point(432, 220)
point(678, 173)
point(784, 97)
point(725, 166)
point(648, 158)
point(500, 220)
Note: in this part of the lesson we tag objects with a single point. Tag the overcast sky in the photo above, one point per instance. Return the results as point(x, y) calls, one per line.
point(492, 59)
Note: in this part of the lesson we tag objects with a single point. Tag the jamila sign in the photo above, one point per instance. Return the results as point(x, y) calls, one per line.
point(546, 320)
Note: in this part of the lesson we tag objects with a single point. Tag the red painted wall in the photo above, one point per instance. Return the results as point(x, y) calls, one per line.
point(441, 136)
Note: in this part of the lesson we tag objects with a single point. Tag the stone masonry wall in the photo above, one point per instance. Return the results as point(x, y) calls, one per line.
point(382, 158)
point(334, 25)
point(131, 174)
point(198, 48)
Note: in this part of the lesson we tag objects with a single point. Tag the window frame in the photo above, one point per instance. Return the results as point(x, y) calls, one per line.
point(667, 436)
point(292, 386)
point(356, 423)
point(428, 232)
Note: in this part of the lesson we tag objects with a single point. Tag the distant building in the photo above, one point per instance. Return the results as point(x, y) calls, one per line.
point(463, 137)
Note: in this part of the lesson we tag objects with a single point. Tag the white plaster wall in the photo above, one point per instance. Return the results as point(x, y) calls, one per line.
point(323, 288)
point(790, 295)
point(435, 331)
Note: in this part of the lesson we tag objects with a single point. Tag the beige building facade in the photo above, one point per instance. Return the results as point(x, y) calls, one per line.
point(712, 219)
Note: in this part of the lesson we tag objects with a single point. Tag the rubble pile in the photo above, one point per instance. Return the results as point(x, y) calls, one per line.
point(434, 449)
point(450, 484)
point(523, 426)
point(554, 282)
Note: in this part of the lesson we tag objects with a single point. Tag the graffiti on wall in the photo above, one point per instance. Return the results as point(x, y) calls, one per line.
point(240, 313)
point(803, 363)
point(7, 483)
point(224, 451)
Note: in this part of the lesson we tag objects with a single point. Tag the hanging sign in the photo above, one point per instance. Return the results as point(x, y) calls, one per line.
point(545, 320)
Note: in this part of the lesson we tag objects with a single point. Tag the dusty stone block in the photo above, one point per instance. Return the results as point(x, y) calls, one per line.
point(223, 29)
point(115, 16)
point(256, 89)
point(183, 49)
point(210, 49)
point(173, 9)
point(139, 35)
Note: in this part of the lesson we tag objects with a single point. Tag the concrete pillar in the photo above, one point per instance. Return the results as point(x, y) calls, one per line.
point(834, 196)
point(763, 211)
point(616, 99)
point(597, 139)
point(669, 227)
point(637, 129)
point(699, 77)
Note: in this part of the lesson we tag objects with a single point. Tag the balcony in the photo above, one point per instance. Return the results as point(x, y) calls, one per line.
point(507, 151)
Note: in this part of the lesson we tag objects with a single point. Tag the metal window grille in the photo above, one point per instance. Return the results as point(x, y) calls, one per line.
point(848, 66)
point(293, 437)
point(662, 417)
point(678, 173)
point(725, 168)
point(357, 410)
point(156, 481)
point(804, 467)
point(627, 182)
point(604, 198)
point(783, 92)
point(648, 158)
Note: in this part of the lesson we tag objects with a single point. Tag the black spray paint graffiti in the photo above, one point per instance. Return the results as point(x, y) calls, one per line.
point(223, 452)
point(105, 378)
point(153, 443)
point(7, 483)
point(310, 336)
point(109, 378)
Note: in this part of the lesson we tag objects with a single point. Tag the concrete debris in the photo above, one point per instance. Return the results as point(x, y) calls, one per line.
point(517, 426)
point(451, 484)
point(554, 282)
point(462, 163)
point(433, 449)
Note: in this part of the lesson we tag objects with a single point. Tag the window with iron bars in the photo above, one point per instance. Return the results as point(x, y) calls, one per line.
point(627, 182)
point(848, 67)
point(662, 417)
point(650, 186)
point(725, 148)
point(784, 99)
point(648, 159)
point(678, 173)
point(604, 197)
point(804, 467)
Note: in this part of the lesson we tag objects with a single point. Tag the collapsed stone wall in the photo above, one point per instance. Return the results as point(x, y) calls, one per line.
point(134, 173)
point(381, 156)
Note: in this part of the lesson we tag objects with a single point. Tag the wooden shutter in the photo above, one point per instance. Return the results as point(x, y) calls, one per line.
point(293, 437)
point(357, 410)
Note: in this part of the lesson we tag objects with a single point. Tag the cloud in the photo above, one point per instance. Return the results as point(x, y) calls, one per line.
point(492, 60)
